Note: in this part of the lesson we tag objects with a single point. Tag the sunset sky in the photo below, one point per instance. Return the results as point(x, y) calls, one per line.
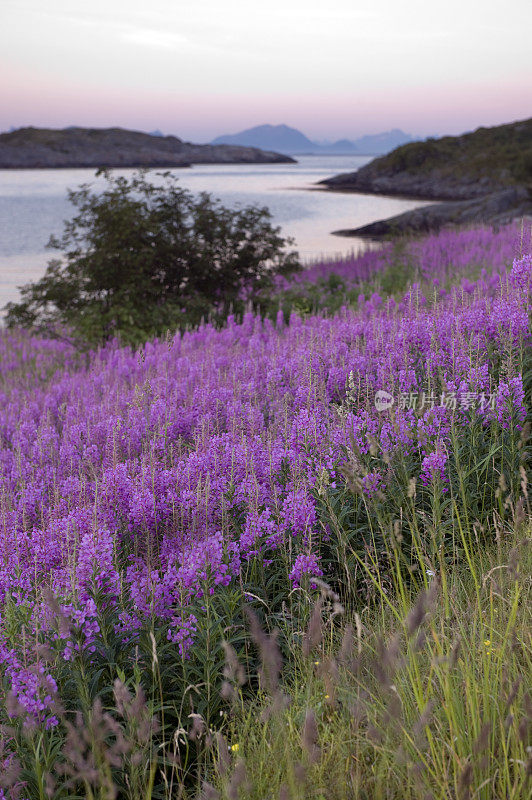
point(200, 68)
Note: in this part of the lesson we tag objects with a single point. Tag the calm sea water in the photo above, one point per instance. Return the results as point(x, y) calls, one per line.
point(34, 204)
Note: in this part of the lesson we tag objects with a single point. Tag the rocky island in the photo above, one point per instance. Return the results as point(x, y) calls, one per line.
point(44, 148)
point(485, 176)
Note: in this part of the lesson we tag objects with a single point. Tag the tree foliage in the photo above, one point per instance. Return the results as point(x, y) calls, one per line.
point(140, 258)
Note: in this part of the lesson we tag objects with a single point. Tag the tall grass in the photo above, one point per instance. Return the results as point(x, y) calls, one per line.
point(420, 694)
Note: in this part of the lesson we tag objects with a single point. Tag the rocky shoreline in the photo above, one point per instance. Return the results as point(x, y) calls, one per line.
point(483, 176)
point(71, 148)
point(496, 208)
point(434, 186)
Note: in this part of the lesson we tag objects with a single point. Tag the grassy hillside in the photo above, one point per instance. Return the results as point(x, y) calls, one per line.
point(504, 151)
point(453, 167)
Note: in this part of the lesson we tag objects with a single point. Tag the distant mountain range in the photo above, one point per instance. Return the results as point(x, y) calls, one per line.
point(290, 141)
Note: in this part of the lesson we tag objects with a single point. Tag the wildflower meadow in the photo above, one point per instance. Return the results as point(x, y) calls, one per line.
point(284, 557)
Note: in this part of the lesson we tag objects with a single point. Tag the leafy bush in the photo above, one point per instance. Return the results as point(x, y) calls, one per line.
point(140, 258)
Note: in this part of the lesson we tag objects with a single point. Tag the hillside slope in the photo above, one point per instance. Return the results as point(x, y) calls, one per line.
point(487, 176)
point(30, 148)
point(452, 168)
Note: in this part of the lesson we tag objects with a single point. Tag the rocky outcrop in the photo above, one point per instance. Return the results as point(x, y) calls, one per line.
point(451, 168)
point(434, 186)
point(496, 208)
point(487, 176)
point(33, 148)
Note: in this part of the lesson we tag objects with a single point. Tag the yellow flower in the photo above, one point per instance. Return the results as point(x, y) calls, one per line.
point(234, 747)
point(487, 642)
point(316, 663)
point(327, 697)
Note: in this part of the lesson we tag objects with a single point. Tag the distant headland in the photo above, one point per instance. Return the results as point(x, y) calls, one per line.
point(487, 176)
point(44, 148)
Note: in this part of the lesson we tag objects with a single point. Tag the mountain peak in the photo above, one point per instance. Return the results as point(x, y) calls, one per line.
point(280, 138)
point(285, 139)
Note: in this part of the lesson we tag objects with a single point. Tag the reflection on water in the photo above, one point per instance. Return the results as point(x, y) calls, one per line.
point(34, 204)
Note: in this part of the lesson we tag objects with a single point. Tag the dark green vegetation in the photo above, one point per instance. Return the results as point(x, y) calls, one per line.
point(30, 148)
point(139, 259)
point(450, 168)
point(502, 154)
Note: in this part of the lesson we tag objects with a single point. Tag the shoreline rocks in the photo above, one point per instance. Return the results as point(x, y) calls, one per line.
point(496, 208)
point(413, 187)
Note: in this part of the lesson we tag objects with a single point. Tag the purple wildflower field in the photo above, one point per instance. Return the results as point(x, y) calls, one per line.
point(152, 477)
point(438, 257)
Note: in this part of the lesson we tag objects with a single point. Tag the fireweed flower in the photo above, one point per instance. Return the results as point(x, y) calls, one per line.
point(182, 632)
point(305, 565)
point(433, 467)
point(146, 479)
point(509, 403)
point(521, 273)
point(372, 483)
point(298, 514)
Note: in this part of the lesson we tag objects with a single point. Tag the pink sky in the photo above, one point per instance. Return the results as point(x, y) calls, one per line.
point(203, 68)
